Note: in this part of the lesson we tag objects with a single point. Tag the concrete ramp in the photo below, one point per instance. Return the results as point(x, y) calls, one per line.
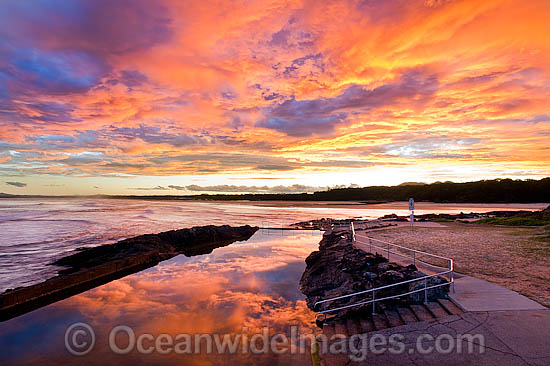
point(473, 294)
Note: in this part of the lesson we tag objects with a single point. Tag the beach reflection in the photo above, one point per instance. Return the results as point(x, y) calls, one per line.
point(252, 284)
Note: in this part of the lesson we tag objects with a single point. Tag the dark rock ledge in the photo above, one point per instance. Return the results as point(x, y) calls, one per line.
point(92, 267)
point(338, 268)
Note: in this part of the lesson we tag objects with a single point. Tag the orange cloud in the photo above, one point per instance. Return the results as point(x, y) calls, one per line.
point(224, 88)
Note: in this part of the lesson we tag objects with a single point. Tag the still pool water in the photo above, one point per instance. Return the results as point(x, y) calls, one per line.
point(238, 289)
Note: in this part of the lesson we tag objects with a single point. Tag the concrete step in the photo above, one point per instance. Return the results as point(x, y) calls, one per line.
point(393, 318)
point(437, 310)
point(366, 325)
point(421, 312)
point(450, 307)
point(390, 318)
point(406, 315)
point(380, 321)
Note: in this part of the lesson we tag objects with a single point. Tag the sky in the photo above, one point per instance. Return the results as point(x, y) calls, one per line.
point(186, 97)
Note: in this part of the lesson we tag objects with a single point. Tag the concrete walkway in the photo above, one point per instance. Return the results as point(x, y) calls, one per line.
point(472, 294)
point(501, 338)
point(514, 330)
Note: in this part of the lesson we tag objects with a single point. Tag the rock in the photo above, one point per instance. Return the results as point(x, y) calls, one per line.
point(338, 268)
point(194, 241)
point(327, 223)
point(369, 275)
point(385, 266)
point(390, 277)
point(433, 294)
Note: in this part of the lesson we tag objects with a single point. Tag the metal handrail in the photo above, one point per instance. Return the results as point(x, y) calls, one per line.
point(384, 298)
point(414, 258)
point(402, 247)
point(354, 236)
point(379, 288)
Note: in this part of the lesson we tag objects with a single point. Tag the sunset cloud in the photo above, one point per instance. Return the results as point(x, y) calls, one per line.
point(95, 88)
point(225, 188)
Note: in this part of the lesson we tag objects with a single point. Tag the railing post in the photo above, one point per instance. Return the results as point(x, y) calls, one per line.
point(388, 251)
point(452, 274)
point(370, 242)
point(414, 258)
point(373, 303)
point(425, 290)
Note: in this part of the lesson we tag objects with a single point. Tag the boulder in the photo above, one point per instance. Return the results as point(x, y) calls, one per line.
point(338, 268)
point(194, 241)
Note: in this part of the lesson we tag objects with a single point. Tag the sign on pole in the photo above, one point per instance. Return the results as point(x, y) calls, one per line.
point(411, 208)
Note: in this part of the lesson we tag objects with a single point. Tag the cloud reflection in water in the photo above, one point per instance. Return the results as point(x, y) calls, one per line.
point(251, 284)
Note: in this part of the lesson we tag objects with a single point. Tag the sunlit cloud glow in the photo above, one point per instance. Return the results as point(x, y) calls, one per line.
point(336, 92)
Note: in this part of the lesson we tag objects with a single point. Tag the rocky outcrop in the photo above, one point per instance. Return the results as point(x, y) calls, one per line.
point(327, 223)
point(92, 267)
point(194, 241)
point(338, 268)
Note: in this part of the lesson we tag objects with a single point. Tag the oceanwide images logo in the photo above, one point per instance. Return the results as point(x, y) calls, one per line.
point(80, 340)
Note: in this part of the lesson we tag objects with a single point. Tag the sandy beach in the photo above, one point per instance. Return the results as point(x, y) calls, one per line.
point(513, 257)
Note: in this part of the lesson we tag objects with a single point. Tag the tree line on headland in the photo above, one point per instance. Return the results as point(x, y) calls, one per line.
point(484, 191)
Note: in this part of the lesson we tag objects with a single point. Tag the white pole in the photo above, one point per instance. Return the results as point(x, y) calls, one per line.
point(411, 208)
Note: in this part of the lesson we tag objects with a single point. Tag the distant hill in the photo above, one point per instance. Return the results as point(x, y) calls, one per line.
point(5, 195)
point(413, 184)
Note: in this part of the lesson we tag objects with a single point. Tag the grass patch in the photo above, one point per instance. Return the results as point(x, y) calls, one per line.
point(521, 232)
point(543, 238)
point(537, 250)
point(538, 244)
point(442, 219)
point(513, 221)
